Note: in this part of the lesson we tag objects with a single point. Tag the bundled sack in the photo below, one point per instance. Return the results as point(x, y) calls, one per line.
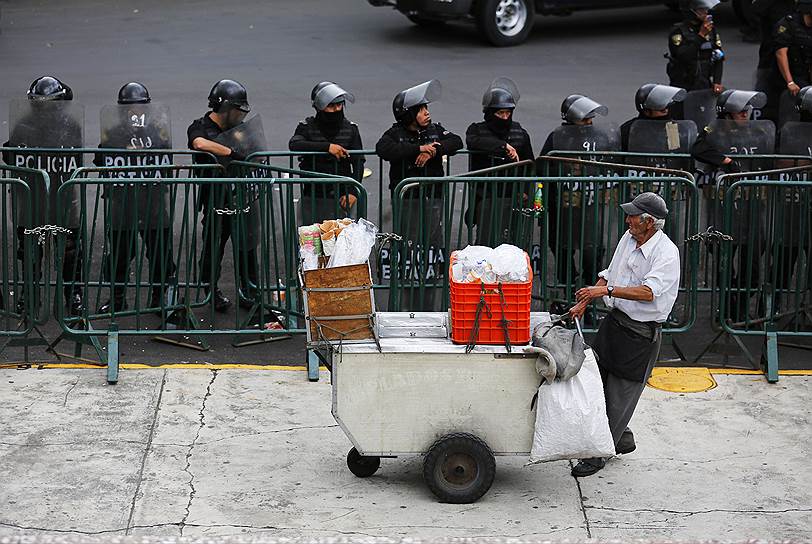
point(571, 420)
point(560, 350)
point(319, 240)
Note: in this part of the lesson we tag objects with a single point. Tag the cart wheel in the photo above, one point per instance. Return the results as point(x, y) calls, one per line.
point(459, 468)
point(361, 466)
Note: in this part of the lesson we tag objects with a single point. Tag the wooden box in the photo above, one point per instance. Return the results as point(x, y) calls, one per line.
point(339, 304)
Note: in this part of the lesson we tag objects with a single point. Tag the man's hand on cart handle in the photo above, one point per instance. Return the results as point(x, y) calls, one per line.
point(589, 294)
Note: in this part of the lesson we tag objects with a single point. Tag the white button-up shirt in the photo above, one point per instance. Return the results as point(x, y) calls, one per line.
point(656, 265)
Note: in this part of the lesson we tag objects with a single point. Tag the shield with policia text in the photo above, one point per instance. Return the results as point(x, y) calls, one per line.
point(42, 128)
point(129, 128)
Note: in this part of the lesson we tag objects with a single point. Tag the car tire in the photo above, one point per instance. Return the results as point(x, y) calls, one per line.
point(505, 22)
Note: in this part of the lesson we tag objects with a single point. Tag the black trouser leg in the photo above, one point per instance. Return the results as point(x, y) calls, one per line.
point(216, 232)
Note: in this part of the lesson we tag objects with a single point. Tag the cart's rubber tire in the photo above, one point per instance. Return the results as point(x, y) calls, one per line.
point(505, 22)
point(362, 466)
point(459, 468)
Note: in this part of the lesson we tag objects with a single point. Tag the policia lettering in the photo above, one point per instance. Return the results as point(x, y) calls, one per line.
point(50, 119)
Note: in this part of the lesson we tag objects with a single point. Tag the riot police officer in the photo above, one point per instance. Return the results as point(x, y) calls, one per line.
point(716, 150)
point(50, 119)
point(228, 102)
point(330, 133)
point(414, 147)
point(571, 207)
point(793, 42)
point(695, 51)
point(140, 210)
point(496, 141)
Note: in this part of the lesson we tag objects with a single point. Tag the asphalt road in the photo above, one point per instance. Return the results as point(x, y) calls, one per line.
point(279, 49)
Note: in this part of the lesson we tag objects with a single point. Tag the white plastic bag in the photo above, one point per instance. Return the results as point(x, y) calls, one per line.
point(354, 244)
point(509, 263)
point(571, 418)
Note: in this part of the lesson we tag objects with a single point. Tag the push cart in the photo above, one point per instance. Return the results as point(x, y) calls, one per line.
point(414, 392)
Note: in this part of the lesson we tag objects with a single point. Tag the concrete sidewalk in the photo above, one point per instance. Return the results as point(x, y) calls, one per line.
point(206, 453)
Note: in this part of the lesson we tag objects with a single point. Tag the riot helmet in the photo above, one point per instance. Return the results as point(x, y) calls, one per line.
point(49, 88)
point(228, 94)
point(326, 93)
point(408, 101)
point(133, 93)
point(501, 94)
point(734, 101)
point(655, 97)
point(577, 107)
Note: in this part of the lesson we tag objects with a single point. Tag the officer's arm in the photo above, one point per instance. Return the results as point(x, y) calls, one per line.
point(390, 150)
point(357, 160)
point(210, 146)
point(683, 47)
point(450, 143)
point(782, 58)
point(483, 143)
point(299, 141)
point(526, 149)
point(704, 151)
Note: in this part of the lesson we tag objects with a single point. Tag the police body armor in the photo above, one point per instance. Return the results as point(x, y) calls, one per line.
point(139, 206)
point(48, 124)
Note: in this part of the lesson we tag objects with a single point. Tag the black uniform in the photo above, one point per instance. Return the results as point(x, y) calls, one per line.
point(140, 210)
point(768, 78)
point(401, 146)
point(691, 63)
point(488, 140)
point(792, 33)
point(208, 129)
point(59, 167)
point(311, 135)
point(747, 259)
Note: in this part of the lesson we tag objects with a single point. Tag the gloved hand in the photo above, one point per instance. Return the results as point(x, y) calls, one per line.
point(236, 156)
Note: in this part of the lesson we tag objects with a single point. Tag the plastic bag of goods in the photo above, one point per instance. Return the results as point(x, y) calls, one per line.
point(571, 420)
point(354, 244)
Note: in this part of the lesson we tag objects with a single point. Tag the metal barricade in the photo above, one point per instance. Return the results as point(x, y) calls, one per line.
point(175, 255)
point(765, 280)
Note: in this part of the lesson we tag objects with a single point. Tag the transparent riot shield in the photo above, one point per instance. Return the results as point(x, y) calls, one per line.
point(129, 128)
point(38, 126)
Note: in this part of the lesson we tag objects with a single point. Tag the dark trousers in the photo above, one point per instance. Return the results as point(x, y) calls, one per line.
point(71, 258)
point(217, 230)
point(124, 247)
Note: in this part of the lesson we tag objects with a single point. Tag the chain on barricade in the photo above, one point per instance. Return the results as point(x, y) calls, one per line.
point(44, 230)
point(710, 236)
point(229, 211)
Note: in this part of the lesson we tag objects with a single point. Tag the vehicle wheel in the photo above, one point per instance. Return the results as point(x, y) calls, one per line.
point(505, 22)
point(459, 468)
point(361, 466)
point(424, 22)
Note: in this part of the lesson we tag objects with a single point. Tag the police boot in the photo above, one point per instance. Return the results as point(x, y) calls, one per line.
point(626, 443)
point(115, 304)
point(73, 302)
point(162, 297)
point(221, 302)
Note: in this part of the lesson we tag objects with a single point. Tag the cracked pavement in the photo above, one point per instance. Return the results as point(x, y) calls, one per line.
point(199, 453)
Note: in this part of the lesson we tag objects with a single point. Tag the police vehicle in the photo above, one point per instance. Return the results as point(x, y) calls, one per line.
point(507, 22)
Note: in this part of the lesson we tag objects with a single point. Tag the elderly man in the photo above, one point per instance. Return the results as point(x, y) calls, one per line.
point(640, 287)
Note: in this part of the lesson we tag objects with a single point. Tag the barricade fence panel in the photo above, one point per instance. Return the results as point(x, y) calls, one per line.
point(17, 261)
point(581, 218)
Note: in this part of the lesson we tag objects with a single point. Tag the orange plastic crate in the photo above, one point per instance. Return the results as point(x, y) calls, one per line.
point(464, 302)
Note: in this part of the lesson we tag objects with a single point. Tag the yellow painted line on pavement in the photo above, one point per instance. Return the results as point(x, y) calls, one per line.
point(174, 366)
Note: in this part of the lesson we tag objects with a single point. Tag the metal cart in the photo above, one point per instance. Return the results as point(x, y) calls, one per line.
point(419, 394)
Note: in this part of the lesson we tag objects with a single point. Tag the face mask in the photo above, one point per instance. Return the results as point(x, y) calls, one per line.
point(235, 117)
point(330, 120)
point(497, 124)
